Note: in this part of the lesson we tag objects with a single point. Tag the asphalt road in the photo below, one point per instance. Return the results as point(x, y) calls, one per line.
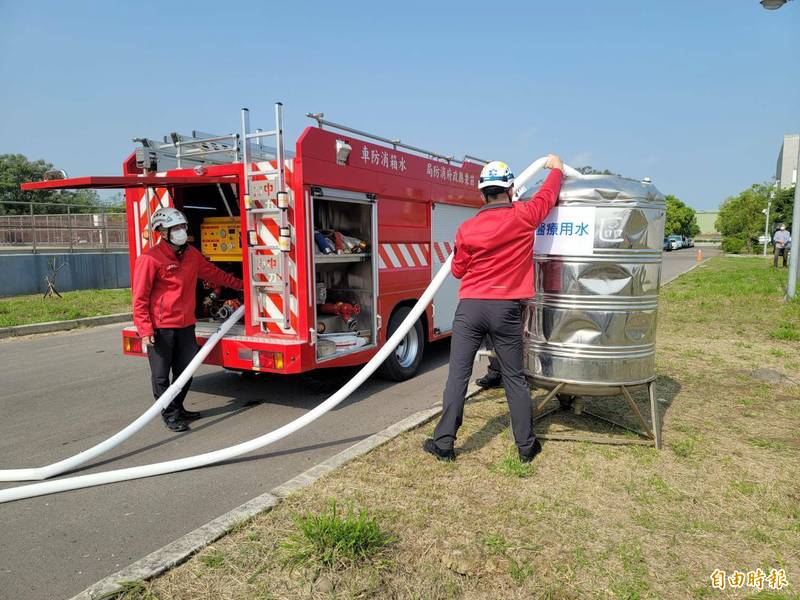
point(679, 261)
point(62, 393)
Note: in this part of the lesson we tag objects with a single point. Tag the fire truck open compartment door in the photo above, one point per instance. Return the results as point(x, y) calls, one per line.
point(122, 182)
point(345, 278)
point(445, 221)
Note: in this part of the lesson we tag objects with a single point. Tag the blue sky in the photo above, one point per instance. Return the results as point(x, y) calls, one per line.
point(696, 94)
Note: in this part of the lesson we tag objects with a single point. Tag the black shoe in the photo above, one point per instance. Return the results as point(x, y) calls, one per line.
point(430, 447)
point(189, 415)
point(526, 457)
point(175, 423)
point(488, 382)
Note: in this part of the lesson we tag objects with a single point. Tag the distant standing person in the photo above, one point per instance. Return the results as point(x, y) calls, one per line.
point(164, 283)
point(493, 259)
point(781, 242)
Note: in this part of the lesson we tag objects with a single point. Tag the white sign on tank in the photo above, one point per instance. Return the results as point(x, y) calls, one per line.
point(567, 230)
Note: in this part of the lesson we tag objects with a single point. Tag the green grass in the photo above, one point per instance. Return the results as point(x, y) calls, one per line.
point(685, 447)
point(631, 583)
point(334, 538)
point(213, 559)
point(746, 488)
point(131, 590)
point(511, 466)
point(767, 443)
point(24, 310)
point(786, 332)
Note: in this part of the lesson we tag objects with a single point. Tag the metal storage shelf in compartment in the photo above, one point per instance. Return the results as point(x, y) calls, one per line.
point(322, 259)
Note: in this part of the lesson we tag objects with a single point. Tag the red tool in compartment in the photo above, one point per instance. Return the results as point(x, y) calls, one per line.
point(347, 311)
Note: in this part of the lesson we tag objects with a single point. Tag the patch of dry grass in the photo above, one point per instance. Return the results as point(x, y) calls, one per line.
point(584, 520)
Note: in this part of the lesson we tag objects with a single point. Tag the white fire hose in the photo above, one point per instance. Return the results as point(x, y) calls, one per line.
point(62, 466)
point(200, 460)
point(520, 183)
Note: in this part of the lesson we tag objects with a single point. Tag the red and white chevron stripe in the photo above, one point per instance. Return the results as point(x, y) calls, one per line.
point(442, 250)
point(267, 229)
point(159, 197)
point(403, 256)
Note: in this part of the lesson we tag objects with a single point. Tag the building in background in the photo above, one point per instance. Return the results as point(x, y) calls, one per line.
point(706, 221)
point(786, 171)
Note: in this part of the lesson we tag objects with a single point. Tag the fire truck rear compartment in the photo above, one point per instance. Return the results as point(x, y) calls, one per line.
point(344, 280)
point(213, 215)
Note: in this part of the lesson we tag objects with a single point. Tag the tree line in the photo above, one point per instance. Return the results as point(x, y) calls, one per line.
point(742, 218)
point(16, 169)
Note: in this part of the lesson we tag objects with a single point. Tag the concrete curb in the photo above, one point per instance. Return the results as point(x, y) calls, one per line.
point(177, 552)
point(50, 326)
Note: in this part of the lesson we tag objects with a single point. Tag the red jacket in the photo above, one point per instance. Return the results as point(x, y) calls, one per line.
point(164, 286)
point(494, 249)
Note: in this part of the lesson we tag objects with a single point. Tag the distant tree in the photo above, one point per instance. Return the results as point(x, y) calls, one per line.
point(741, 218)
point(781, 211)
point(681, 219)
point(115, 203)
point(16, 169)
point(589, 170)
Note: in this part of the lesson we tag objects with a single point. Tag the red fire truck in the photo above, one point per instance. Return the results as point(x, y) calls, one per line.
point(335, 241)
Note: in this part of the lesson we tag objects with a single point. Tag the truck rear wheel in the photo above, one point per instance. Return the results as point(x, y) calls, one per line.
point(403, 363)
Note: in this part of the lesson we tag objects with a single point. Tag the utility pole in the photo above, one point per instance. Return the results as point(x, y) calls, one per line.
point(794, 251)
point(766, 224)
point(794, 263)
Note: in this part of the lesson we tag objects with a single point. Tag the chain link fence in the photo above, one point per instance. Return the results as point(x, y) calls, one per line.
point(47, 227)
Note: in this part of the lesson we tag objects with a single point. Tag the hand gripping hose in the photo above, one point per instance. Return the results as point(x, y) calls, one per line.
point(200, 460)
point(521, 181)
point(37, 474)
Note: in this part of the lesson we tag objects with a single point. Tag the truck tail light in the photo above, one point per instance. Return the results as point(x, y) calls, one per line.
point(268, 360)
point(132, 344)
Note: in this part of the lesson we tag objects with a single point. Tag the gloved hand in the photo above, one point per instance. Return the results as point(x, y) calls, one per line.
point(554, 162)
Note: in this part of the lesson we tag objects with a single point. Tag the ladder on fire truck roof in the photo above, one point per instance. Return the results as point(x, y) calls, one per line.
point(179, 151)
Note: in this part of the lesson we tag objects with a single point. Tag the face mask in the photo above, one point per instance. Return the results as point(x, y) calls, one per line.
point(178, 237)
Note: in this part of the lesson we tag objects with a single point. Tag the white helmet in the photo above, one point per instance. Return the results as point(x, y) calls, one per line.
point(167, 217)
point(496, 174)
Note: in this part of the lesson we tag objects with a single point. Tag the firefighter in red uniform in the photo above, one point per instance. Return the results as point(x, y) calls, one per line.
point(494, 261)
point(164, 282)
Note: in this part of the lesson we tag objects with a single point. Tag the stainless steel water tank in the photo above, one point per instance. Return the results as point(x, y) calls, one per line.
point(592, 323)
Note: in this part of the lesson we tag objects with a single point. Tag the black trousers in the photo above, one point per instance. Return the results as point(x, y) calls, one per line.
point(172, 352)
point(502, 321)
point(779, 252)
point(493, 371)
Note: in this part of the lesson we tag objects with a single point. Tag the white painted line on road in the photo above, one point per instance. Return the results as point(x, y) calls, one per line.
point(673, 278)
